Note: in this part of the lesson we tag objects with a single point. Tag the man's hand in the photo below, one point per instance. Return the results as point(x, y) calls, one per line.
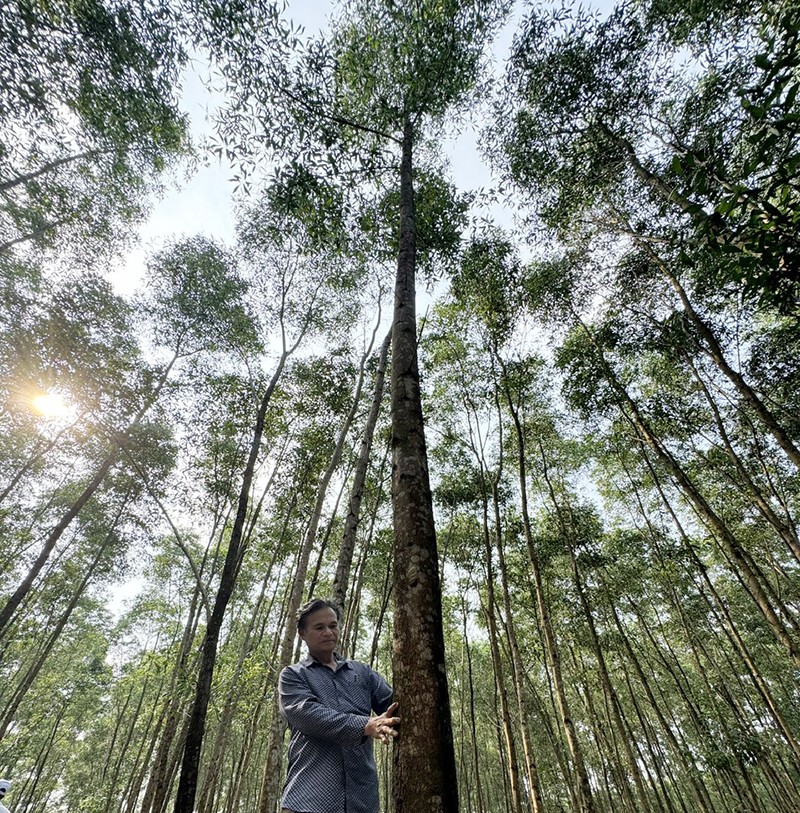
point(382, 727)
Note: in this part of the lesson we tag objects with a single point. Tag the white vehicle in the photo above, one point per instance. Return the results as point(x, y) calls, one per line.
point(4, 786)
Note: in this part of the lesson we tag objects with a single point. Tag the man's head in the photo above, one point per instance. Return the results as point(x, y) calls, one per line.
point(318, 628)
point(314, 606)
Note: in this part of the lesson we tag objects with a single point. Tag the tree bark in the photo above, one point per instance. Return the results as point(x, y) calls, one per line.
point(424, 765)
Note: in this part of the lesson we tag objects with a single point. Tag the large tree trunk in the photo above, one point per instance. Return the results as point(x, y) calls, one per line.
point(424, 765)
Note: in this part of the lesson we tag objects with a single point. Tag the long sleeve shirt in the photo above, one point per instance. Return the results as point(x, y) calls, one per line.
point(331, 767)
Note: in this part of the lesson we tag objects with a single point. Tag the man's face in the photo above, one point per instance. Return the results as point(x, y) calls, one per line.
point(321, 633)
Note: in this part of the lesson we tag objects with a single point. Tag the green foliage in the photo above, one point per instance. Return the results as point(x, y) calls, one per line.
point(68, 333)
point(486, 282)
point(197, 298)
point(555, 379)
point(89, 115)
point(565, 69)
point(391, 62)
point(701, 21)
point(603, 126)
point(440, 215)
point(315, 204)
point(751, 181)
point(773, 366)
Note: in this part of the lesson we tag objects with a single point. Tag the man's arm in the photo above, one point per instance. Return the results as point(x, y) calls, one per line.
point(303, 711)
point(382, 727)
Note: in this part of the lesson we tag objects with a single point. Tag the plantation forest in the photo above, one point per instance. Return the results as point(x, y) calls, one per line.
point(538, 438)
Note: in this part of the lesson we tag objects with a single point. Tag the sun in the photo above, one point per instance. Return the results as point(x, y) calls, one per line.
point(51, 405)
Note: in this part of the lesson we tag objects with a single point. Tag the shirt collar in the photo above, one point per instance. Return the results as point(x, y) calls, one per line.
point(309, 661)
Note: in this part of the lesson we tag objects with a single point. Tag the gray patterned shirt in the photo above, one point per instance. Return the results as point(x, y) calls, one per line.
point(331, 767)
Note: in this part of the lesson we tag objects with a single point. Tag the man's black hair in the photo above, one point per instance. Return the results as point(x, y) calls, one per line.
point(312, 607)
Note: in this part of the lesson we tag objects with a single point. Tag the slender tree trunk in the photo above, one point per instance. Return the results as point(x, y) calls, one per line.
point(16, 598)
point(168, 731)
point(515, 659)
point(168, 724)
point(582, 786)
point(10, 183)
point(517, 668)
point(34, 458)
point(30, 676)
point(706, 587)
point(424, 775)
point(342, 575)
point(499, 677)
point(147, 745)
point(616, 794)
point(714, 350)
point(187, 786)
point(39, 232)
point(752, 579)
point(568, 530)
point(698, 789)
point(386, 595)
point(617, 715)
point(311, 587)
point(267, 695)
point(783, 529)
point(476, 763)
point(270, 784)
point(252, 639)
point(26, 795)
point(121, 754)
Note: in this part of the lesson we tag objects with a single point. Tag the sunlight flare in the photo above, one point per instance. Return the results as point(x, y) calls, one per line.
point(51, 405)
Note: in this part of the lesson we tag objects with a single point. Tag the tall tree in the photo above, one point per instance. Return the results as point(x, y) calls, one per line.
point(389, 73)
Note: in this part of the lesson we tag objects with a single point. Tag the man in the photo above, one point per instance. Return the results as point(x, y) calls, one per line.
point(327, 701)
